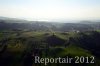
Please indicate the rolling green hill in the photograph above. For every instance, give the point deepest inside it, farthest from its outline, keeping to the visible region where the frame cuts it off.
(19, 48)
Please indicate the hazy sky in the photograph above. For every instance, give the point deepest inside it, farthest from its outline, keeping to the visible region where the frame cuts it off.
(51, 9)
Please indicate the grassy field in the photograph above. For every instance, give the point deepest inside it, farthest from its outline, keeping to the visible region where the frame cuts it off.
(17, 48)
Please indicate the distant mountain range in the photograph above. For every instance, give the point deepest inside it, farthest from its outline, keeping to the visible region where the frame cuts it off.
(19, 20)
(13, 20)
(20, 24)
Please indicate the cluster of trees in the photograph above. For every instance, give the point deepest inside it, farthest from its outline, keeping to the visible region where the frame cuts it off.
(89, 41)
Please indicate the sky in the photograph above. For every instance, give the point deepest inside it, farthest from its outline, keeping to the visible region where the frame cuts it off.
(51, 10)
